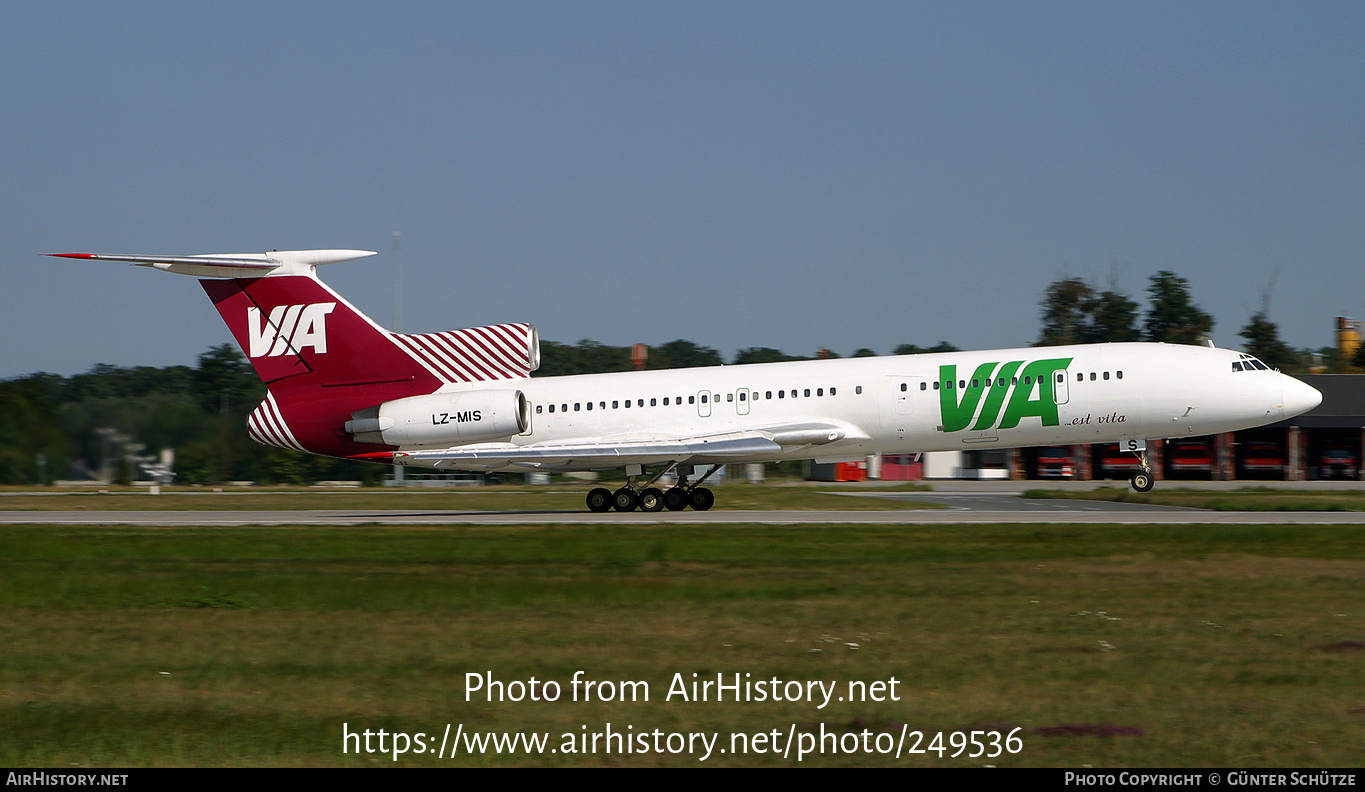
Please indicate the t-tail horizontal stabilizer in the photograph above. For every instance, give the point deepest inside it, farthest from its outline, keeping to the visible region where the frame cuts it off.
(234, 265)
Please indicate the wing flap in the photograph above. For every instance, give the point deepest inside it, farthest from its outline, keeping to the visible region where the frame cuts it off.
(596, 455)
(601, 454)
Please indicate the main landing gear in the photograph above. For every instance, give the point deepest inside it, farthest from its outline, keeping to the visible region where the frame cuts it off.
(647, 497)
(1143, 480)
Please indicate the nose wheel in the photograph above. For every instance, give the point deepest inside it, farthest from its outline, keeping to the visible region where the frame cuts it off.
(1143, 480)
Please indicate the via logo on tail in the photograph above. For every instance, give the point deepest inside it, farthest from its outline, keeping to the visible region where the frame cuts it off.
(288, 327)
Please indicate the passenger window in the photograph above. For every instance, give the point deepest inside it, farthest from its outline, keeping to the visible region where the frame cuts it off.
(653, 402)
(924, 386)
(704, 398)
(1080, 378)
(577, 406)
(627, 404)
(589, 406)
(1060, 377)
(831, 391)
(858, 390)
(1092, 376)
(615, 405)
(976, 383)
(935, 384)
(806, 393)
(552, 408)
(729, 397)
(538, 409)
(563, 408)
(1120, 375)
(819, 391)
(768, 395)
(1106, 375)
(781, 394)
(903, 387)
(961, 384)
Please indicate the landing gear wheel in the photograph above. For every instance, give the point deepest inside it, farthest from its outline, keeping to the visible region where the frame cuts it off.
(625, 500)
(652, 500)
(701, 499)
(599, 500)
(675, 499)
(1142, 482)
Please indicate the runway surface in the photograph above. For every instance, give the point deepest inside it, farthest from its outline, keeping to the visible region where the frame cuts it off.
(963, 507)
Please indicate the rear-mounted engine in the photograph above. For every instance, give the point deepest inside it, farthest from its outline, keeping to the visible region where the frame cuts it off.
(442, 419)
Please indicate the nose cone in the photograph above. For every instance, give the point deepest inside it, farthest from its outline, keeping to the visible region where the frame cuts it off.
(1298, 397)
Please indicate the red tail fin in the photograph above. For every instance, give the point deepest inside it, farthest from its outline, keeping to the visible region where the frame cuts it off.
(322, 359)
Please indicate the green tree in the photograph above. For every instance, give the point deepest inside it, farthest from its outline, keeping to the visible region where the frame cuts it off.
(911, 349)
(1073, 312)
(763, 355)
(587, 357)
(864, 352)
(1263, 340)
(225, 382)
(1172, 317)
(1066, 312)
(33, 447)
(1113, 317)
(682, 354)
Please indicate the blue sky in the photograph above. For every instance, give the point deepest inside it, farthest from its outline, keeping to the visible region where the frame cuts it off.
(789, 174)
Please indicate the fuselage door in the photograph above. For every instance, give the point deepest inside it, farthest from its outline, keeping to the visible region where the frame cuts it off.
(742, 403)
(902, 392)
(704, 404)
(1061, 388)
(898, 402)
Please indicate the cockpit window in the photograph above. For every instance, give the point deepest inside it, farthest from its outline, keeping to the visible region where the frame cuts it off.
(1248, 363)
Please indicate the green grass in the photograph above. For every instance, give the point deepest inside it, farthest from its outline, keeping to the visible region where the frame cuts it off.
(1251, 498)
(495, 498)
(1222, 645)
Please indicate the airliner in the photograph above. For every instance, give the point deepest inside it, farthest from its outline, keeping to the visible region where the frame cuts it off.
(340, 385)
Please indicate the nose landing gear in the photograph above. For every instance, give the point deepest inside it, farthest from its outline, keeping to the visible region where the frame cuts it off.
(1143, 480)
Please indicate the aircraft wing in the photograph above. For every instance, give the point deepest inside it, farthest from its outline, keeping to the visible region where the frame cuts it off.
(730, 447)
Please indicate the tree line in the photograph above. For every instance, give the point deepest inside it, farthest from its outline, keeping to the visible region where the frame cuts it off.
(89, 422)
(1076, 312)
(98, 423)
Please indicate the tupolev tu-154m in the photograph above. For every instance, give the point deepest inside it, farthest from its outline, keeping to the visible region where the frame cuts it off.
(342, 386)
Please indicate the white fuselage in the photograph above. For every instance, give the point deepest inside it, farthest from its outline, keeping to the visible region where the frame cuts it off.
(929, 402)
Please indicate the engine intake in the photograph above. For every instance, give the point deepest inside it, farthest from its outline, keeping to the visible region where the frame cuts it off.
(443, 419)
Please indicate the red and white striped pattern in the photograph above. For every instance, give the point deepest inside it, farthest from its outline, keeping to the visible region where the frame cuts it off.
(495, 352)
(266, 426)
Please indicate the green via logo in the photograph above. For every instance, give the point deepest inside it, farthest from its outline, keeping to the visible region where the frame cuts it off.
(1031, 393)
